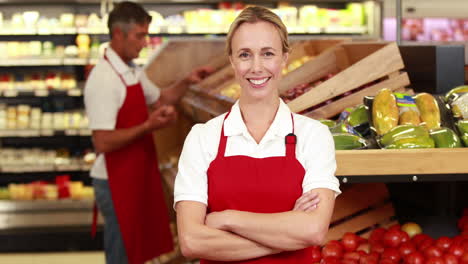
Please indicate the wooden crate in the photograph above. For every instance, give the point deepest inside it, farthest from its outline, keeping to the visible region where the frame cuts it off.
(359, 209)
(203, 101)
(376, 65)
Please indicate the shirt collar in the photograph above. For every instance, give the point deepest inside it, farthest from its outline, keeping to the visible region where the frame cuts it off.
(282, 124)
(117, 62)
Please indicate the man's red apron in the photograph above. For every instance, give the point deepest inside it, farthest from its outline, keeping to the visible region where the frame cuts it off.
(135, 184)
(264, 185)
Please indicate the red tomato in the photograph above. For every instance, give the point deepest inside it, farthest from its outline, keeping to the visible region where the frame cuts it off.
(392, 238)
(443, 243)
(387, 261)
(464, 258)
(362, 252)
(425, 244)
(332, 250)
(377, 235)
(435, 260)
(417, 239)
(377, 247)
(316, 253)
(330, 260)
(455, 250)
(406, 248)
(350, 241)
(433, 251)
(456, 241)
(391, 253)
(450, 259)
(349, 261)
(404, 237)
(352, 255)
(368, 259)
(415, 258)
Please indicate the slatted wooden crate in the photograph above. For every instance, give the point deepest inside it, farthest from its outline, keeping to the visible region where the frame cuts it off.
(373, 65)
(204, 101)
(359, 209)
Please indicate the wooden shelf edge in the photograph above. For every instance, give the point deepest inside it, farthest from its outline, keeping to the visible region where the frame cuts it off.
(401, 161)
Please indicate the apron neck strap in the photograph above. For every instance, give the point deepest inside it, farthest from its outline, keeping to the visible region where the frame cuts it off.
(113, 68)
(223, 139)
(290, 142)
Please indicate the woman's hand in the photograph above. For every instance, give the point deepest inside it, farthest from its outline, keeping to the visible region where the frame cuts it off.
(307, 202)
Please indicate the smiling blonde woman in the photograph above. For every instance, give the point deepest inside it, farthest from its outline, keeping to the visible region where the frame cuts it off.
(256, 184)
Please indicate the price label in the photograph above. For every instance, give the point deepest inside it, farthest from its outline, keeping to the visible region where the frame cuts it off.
(10, 93)
(74, 92)
(71, 132)
(41, 93)
(47, 132)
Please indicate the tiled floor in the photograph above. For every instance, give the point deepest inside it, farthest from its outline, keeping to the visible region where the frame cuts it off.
(53, 258)
(59, 258)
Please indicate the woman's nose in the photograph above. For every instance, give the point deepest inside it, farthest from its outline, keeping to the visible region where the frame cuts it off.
(257, 65)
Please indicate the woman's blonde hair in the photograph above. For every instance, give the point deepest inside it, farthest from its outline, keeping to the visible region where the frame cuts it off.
(254, 14)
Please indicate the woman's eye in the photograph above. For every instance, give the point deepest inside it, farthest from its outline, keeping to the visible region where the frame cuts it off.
(243, 55)
(269, 54)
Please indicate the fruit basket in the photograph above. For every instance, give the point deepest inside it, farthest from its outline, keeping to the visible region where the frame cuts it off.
(346, 73)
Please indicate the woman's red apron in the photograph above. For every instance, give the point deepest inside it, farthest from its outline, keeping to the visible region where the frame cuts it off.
(260, 185)
(135, 184)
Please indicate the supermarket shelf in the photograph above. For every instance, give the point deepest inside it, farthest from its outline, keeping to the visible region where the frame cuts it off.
(402, 165)
(183, 33)
(42, 214)
(42, 93)
(44, 133)
(36, 168)
(43, 205)
(9, 62)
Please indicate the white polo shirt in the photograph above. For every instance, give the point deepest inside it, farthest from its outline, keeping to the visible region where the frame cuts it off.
(105, 93)
(315, 150)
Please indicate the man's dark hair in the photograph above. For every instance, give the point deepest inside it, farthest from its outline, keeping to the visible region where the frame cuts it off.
(127, 13)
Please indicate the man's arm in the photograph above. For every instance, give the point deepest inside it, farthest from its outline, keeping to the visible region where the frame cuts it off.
(172, 94)
(110, 140)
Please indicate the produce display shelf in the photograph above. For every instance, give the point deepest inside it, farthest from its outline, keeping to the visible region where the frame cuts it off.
(40, 214)
(77, 92)
(9, 133)
(36, 168)
(402, 165)
(11, 62)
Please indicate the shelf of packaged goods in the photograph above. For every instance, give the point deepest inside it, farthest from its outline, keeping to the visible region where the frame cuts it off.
(38, 168)
(402, 165)
(19, 62)
(43, 213)
(75, 92)
(43, 133)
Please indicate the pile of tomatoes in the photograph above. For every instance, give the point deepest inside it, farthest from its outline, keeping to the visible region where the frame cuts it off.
(404, 244)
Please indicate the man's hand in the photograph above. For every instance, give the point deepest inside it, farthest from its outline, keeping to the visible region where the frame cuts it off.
(307, 202)
(161, 117)
(199, 74)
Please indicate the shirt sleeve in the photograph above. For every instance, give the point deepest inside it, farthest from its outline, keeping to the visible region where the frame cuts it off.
(150, 89)
(102, 100)
(191, 183)
(320, 163)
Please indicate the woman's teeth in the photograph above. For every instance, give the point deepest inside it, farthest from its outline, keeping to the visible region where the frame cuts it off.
(259, 81)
